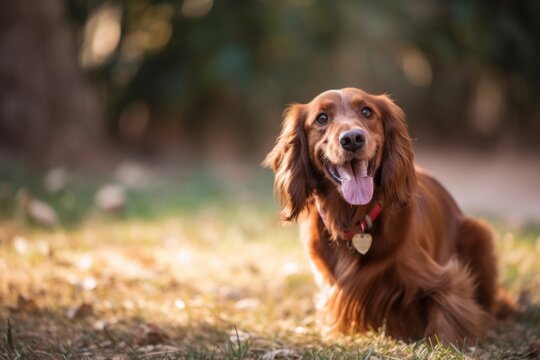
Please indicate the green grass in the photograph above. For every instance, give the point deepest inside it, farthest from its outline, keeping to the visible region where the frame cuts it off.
(203, 262)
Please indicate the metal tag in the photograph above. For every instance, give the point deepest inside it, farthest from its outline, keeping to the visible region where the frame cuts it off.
(362, 242)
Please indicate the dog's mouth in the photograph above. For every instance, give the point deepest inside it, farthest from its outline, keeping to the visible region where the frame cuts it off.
(355, 179)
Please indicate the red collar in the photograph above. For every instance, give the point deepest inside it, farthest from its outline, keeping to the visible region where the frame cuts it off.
(365, 224)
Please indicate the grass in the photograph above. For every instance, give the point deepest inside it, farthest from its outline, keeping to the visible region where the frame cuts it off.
(196, 268)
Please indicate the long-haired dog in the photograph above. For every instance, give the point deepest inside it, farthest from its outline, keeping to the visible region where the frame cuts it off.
(387, 243)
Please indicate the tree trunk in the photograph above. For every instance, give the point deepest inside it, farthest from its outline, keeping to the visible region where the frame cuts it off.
(47, 113)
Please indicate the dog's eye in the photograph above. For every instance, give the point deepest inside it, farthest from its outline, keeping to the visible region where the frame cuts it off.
(367, 112)
(322, 118)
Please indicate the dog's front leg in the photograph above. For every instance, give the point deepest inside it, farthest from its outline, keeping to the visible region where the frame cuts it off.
(322, 257)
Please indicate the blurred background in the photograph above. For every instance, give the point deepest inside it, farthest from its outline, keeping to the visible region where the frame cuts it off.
(183, 84)
(133, 207)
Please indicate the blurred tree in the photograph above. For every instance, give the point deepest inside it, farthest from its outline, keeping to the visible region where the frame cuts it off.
(46, 112)
(485, 63)
(462, 69)
(214, 76)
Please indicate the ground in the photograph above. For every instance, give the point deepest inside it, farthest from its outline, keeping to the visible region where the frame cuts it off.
(192, 267)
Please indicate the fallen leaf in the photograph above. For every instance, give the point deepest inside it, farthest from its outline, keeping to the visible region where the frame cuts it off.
(276, 354)
(21, 245)
(247, 304)
(55, 180)
(230, 293)
(85, 261)
(80, 312)
(88, 283)
(27, 305)
(160, 351)
(149, 334)
(253, 269)
(133, 175)
(37, 210)
(41, 212)
(128, 304)
(100, 324)
(45, 248)
(236, 336)
(111, 198)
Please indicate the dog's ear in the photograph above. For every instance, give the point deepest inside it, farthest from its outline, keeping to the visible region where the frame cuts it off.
(398, 177)
(290, 161)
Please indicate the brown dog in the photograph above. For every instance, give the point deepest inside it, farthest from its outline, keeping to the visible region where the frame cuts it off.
(387, 243)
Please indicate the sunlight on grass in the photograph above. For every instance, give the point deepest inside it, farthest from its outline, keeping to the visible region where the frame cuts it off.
(203, 279)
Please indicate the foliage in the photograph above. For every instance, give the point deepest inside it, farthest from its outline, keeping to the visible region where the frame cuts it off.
(466, 68)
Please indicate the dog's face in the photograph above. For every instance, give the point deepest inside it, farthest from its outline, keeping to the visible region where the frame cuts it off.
(345, 136)
(342, 138)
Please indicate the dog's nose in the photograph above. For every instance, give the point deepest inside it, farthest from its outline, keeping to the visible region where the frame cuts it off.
(352, 140)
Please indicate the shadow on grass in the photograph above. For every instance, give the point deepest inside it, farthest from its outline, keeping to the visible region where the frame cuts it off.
(51, 334)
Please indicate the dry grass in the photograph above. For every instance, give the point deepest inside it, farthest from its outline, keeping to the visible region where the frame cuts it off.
(206, 280)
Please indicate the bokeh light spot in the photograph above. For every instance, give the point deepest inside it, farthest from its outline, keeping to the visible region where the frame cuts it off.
(416, 67)
(196, 8)
(101, 35)
(487, 105)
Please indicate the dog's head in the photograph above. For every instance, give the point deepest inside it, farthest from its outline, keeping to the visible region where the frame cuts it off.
(346, 139)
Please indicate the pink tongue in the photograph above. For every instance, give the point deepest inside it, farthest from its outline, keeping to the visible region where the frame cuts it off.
(356, 186)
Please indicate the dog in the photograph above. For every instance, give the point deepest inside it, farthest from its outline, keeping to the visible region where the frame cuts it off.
(388, 245)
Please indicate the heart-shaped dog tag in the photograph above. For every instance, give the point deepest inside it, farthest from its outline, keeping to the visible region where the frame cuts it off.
(362, 242)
